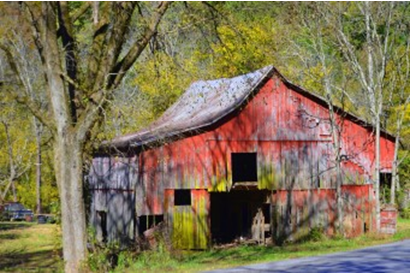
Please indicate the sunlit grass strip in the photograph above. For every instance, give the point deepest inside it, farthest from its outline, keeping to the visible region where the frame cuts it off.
(242, 255)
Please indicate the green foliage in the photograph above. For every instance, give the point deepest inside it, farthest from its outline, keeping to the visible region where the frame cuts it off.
(242, 49)
(405, 213)
(404, 172)
(102, 257)
(159, 258)
(222, 44)
(170, 80)
(125, 259)
(230, 256)
(26, 188)
(17, 149)
(103, 260)
(110, 257)
(316, 234)
(21, 123)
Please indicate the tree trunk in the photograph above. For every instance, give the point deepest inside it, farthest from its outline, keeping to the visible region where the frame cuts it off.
(73, 117)
(38, 166)
(68, 148)
(68, 164)
(377, 173)
(339, 200)
(336, 147)
(12, 169)
(335, 130)
(13, 189)
(394, 170)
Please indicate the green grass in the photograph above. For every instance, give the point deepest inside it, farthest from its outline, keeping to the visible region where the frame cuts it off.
(242, 255)
(28, 247)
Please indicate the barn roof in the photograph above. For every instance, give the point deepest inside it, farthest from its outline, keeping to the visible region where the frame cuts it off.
(205, 103)
(202, 104)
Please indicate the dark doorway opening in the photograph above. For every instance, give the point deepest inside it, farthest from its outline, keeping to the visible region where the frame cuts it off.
(244, 167)
(234, 214)
(102, 222)
(385, 187)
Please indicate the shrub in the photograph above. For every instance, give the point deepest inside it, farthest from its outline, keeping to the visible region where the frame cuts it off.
(160, 255)
(316, 234)
(103, 258)
(405, 213)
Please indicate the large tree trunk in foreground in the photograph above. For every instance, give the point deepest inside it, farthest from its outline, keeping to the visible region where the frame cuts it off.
(76, 98)
(68, 164)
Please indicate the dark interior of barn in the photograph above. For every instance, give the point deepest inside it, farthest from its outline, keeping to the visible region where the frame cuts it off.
(240, 215)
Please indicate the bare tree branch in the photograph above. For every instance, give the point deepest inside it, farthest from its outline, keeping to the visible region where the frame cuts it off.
(25, 99)
(75, 16)
(138, 47)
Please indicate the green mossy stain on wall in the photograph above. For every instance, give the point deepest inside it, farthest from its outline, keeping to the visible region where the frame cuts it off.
(190, 225)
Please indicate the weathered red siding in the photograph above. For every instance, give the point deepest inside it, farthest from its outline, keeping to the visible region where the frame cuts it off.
(296, 212)
(389, 220)
(291, 135)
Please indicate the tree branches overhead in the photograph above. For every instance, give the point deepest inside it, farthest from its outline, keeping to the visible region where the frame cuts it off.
(102, 31)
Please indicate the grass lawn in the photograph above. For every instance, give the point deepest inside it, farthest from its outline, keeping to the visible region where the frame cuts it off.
(29, 247)
(242, 255)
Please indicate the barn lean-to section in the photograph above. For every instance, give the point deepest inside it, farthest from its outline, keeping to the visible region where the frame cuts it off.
(112, 183)
(247, 157)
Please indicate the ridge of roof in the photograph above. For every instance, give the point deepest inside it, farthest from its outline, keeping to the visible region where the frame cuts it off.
(202, 104)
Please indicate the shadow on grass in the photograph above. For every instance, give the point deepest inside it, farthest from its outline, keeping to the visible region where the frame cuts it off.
(9, 236)
(39, 261)
(240, 254)
(22, 260)
(14, 225)
(251, 253)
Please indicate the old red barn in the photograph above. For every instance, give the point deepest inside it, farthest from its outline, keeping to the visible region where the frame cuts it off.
(248, 157)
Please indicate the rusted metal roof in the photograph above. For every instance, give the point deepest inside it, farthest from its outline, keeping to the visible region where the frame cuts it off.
(203, 104)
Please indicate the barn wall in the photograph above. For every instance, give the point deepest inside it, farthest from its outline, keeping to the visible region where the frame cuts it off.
(111, 189)
(358, 209)
(295, 213)
(292, 138)
(291, 135)
(150, 183)
(189, 224)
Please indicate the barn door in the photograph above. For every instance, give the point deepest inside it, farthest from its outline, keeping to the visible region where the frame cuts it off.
(188, 218)
(258, 227)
